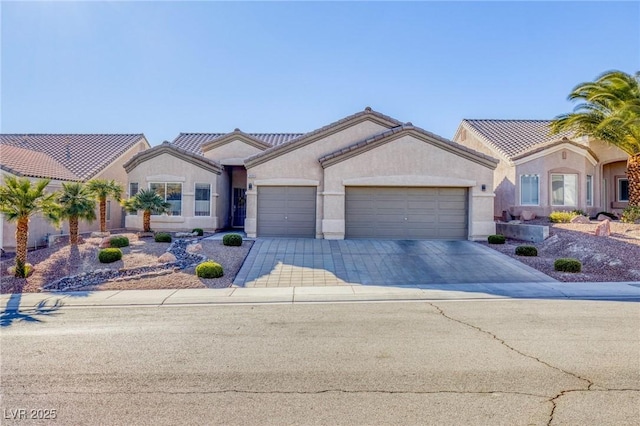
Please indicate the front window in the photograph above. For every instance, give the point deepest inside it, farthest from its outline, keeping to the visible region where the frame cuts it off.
(589, 190)
(623, 190)
(171, 193)
(529, 190)
(203, 199)
(564, 190)
(133, 189)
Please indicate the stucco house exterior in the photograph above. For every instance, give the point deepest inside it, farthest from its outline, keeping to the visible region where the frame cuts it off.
(541, 173)
(65, 158)
(364, 176)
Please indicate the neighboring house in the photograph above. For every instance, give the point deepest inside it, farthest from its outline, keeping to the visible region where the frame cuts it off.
(542, 173)
(365, 176)
(66, 157)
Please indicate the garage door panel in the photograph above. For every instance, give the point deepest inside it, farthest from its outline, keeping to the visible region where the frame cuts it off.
(287, 211)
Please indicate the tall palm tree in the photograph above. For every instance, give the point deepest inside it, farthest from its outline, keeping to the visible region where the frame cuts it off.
(76, 202)
(609, 110)
(149, 202)
(101, 189)
(19, 200)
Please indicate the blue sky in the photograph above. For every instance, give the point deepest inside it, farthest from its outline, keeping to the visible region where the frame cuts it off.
(162, 68)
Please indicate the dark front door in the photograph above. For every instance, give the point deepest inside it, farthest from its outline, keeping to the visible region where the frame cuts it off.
(239, 207)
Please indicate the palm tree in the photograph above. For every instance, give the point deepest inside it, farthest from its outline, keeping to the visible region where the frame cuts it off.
(149, 202)
(19, 200)
(77, 202)
(609, 111)
(101, 189)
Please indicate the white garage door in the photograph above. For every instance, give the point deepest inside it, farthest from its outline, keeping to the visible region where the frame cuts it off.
(287, 211)
(406, 213)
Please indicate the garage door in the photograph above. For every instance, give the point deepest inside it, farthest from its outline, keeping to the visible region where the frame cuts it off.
(406, 213)
(287, 211)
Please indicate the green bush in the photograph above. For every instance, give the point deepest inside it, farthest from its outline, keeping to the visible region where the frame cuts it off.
(109, 255)
(631, 214)
(199, 231)
(209, 269)
(562, 216)
(579, 212)
(162, 237)
(119, 241)
(526, 251)
(232, 240)
(496, 239)
(567, 265)
(20, 270)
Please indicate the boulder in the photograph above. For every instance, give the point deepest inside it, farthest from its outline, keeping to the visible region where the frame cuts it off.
(602, 217)
(603, 229)
(100, 234)
(105, 243)
(527, 215)
(167, 258)
(186, 234)
(194, 248)
(580, 219)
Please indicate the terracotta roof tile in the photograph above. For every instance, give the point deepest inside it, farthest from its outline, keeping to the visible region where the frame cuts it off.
(25, 162)
(193, 141)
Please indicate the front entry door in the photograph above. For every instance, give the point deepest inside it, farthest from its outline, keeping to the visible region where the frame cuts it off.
(239, 207)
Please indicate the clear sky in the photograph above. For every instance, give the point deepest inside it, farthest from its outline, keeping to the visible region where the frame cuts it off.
(162, 68)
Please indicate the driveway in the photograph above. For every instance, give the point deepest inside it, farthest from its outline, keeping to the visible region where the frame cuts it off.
(309, 262)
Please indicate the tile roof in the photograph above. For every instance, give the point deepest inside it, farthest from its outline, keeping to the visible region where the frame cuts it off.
(168, 148)
(82, 155)
(513, 137)
(25, 162)
(193, 141)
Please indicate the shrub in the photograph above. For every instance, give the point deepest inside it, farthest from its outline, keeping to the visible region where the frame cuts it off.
(209, 269)
(109, 255)
(526, 251)
(162, 237)
(609, 215)
(631, 214)
(232, 240)
(119, 241)
(579, 212)
(198, 231)
(567, 265)
(20, 270)
(562, 216)
(496, 239)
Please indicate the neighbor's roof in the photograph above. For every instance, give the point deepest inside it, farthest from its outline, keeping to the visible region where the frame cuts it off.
(513, 137)
(67, 156)
(193, 141)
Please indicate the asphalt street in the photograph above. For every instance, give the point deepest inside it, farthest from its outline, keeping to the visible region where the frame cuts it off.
(486, 362)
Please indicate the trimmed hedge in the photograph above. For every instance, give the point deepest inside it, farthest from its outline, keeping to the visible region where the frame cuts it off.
(119, 241)
(209, 269)
(162, 237)
(526, 251)
(232, 240)
(109, 255)
(567, 264)
(199, 231)
(497, 239)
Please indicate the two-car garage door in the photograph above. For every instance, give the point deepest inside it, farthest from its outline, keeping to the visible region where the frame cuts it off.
(406, 213)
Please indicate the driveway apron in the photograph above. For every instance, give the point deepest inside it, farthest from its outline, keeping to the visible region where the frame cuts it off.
(309, 262)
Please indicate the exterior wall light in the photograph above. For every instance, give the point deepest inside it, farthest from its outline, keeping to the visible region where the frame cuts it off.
(483, 187)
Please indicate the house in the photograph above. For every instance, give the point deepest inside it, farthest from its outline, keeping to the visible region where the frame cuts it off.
(541, 173)
(66, 158)
(364, 176)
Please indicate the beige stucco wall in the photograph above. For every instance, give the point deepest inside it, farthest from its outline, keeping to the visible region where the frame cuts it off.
(301, 167)
(610, 174)
(233, 152)
(168, 168)
(415, 163)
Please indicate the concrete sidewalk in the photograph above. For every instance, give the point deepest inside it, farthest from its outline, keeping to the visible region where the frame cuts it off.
(629, 291)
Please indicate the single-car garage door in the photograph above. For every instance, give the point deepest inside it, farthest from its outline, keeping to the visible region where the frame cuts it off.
(287, 211)
(406, 213)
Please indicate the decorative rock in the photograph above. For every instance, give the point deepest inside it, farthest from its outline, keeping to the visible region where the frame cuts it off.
(186, 234)
(100, 234)
(580, 219)
(145, 234)
(603, 229)
(527, 215)
(602, 217)
(167, 258)
(105, 243)
(194, 248)
(515, 222)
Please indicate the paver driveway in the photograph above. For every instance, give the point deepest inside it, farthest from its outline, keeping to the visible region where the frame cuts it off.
(308, 262)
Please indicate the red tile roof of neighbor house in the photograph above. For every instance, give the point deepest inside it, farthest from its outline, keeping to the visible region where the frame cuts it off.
(193, 141)
(63, 156)
(513, 137)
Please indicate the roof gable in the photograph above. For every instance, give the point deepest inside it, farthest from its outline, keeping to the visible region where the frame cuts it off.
(170, 149)
(237, 134)
(540, 148)
(193, 142)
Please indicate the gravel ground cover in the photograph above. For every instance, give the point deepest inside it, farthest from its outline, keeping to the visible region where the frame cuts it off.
(612, 258)
(62, 260)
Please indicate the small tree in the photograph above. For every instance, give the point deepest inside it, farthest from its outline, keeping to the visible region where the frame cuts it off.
(101, 189)
(150, 203)
(19, 200)
(76, 202)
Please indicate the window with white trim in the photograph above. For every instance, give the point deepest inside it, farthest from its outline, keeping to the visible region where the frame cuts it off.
(564, 190)
(133, 190)
(203, 199)
(622, 191)
(589, 190)
(171, 192)
(529, 190)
